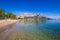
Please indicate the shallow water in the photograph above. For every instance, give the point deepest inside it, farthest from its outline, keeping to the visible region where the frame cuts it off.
(32, 30)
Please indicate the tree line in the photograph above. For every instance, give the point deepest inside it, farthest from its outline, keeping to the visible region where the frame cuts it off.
(8, 15)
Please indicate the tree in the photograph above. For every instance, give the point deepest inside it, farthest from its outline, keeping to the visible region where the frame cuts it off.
(8, 15)
(2, 13)
(11, 15)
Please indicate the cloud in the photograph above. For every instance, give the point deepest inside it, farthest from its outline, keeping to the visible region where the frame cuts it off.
(47, 14)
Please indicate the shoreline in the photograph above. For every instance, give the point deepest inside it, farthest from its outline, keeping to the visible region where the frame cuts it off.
(6, 22)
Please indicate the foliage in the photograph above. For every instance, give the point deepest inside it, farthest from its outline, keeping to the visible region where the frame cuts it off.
(8, 15)
(11, 15)
(2, 13)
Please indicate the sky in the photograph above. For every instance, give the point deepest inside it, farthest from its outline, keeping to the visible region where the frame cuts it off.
(48, 8)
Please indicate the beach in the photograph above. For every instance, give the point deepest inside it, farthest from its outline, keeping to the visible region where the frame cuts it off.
(6, 22)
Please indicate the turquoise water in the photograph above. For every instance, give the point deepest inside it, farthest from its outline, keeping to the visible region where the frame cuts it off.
(32, 30)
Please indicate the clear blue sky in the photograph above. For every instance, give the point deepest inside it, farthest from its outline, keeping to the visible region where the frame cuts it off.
(49, 8)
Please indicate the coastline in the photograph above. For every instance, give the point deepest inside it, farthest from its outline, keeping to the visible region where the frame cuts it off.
(6, 22)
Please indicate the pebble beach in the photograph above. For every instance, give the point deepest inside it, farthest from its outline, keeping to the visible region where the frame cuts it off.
(6, 22)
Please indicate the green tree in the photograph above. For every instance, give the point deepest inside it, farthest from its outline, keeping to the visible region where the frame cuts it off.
(8, 15)
(11, 15)
(2, 13)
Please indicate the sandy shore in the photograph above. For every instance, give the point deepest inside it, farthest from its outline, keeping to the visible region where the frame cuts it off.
(6, 22)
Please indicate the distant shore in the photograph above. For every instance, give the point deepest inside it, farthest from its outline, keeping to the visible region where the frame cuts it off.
(6, 22)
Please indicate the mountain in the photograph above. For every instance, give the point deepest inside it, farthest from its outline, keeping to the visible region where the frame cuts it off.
(34, 17)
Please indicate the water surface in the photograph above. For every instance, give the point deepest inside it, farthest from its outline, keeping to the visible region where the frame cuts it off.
(31, 30)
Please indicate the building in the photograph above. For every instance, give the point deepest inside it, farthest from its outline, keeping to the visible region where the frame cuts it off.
(29, 17)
